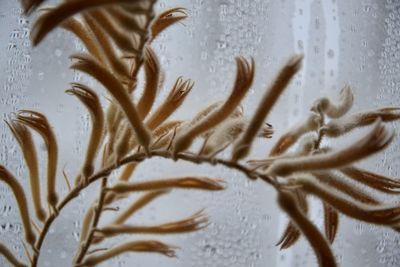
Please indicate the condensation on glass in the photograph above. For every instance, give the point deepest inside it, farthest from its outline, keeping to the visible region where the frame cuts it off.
(344, 42)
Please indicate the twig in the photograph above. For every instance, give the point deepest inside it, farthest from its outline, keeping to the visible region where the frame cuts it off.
(96, 217)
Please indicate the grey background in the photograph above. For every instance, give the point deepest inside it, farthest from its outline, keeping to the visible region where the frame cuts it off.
(345, 42)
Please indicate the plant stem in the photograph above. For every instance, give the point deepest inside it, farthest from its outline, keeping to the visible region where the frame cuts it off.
(139, 157)
(96, 218)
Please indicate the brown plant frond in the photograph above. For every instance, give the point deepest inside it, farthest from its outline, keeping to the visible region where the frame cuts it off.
(188, 182)
(20, 197)
(173, 101)
(292, 234)
(306, 146)
(341, 126)
(89, 98)
(118, 67)
(7, 253)
(243, 82)
(242, 147)
(39, 123)
(331, 222)
(26, 251)
(122, 146)
(166, 19)
(377, 139)
(127, 172)
(194, 223)
(90, 66)
(86, 223)
(137, 205)
(127, 19)
(152, 71)
(289, 237)
(25, 141)
(224, 134)
(86, 36)
(383, 214)
(129, 246)
(164, 134)
(113, 122)
(312, 123)
(373, 180)
(205, 112)
(267, 131)
(320, 245)
(30, 5)
(50, 20)
(339, 109)
(124, 40)
(66, 179)
(332, 180)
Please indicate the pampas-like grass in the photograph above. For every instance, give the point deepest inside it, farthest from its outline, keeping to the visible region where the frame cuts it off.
(117, 35)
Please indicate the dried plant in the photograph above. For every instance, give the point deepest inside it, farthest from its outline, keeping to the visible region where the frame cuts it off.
(117, 35)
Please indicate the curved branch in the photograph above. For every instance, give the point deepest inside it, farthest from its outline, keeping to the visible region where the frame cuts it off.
(139, 157)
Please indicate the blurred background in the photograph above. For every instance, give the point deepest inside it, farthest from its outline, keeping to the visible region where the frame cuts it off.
(344, 42)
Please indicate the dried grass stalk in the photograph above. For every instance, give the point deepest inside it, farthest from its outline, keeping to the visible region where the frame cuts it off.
(25, 141)
(39, 123)
(242, 146)
(20, 197)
